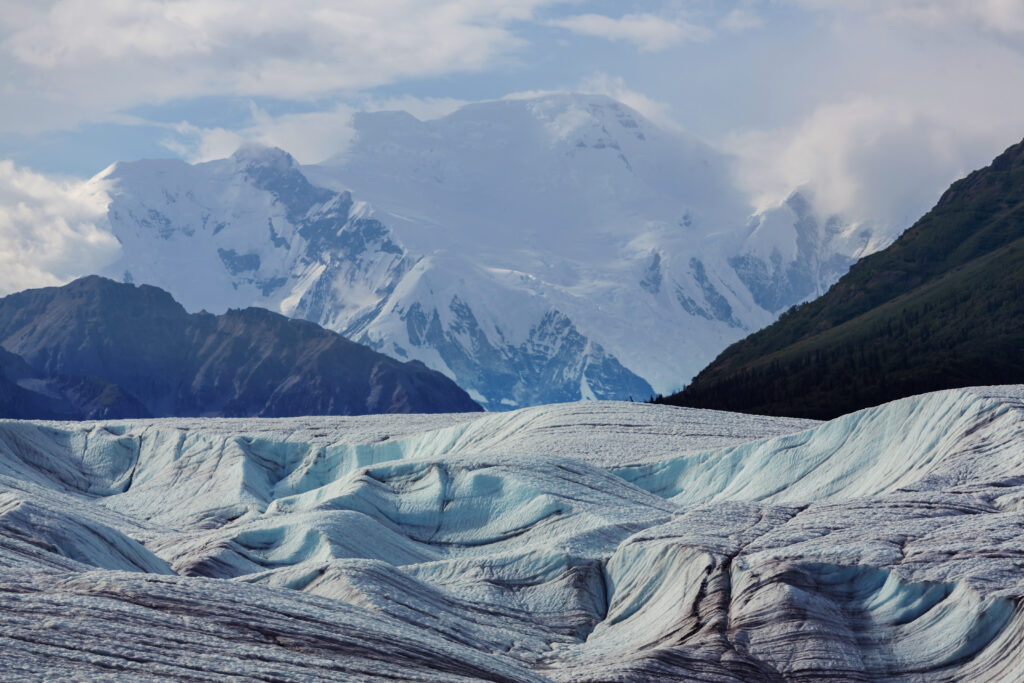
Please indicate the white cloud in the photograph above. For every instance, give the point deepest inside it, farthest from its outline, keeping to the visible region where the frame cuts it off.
(530, 94)
(423, 108)
(887, 104)
(740, 19)
(310, 137)
(50, 230)
(999, 16)
(883, 161)
(648, 32)
(67, 58)
(615, 87)
(196, 144)
(612, 86)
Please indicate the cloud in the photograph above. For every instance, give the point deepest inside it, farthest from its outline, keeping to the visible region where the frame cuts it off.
(900, 98)
(740, 19)
(313, 137)
(423, 108)
(615, 87)
(195, 144)
(310, 137)
(50, 230)
(874, 160)
(999, 16)
(66, 58)
(600, 83)
(648, 32)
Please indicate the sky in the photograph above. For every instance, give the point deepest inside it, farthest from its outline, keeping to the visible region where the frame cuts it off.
(874, 106)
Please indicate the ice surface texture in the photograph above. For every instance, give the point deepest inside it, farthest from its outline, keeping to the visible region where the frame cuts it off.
(594, 541)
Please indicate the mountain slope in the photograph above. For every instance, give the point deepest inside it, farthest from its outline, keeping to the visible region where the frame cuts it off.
(22, 394)
(26, 394)
(97, 339)
(942, 307)
(537, 250)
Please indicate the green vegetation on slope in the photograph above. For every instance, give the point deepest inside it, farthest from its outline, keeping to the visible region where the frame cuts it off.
(942, 307)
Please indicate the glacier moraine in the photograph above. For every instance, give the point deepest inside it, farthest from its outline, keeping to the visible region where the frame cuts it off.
(586, 541)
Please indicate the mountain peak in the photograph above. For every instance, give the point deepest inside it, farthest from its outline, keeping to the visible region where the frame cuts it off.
(248, 362)
(255, 154)
(560, 99)
(102, 291)
(1011, 159)
(560, 113)
(985, 180)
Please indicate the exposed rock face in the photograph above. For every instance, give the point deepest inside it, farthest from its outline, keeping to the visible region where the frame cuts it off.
(115, 350)
(649, 542)
(25, 395)
(822, 250)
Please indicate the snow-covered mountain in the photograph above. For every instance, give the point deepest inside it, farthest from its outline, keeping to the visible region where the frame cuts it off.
(534, 250)
(647, 543)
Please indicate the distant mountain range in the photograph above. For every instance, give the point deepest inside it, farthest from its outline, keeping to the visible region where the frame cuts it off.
(537, 250)
(95, 348)
(942, 307)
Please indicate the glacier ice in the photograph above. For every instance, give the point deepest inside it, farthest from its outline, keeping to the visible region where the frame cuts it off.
(585, 541)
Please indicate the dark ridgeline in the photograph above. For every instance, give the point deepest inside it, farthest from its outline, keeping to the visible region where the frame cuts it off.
(96, 348)
(942, 307)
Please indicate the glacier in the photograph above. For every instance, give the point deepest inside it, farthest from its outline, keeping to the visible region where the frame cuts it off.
(579, 541)
(536, 250)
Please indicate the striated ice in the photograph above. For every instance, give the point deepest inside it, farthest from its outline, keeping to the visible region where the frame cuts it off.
(588, 541)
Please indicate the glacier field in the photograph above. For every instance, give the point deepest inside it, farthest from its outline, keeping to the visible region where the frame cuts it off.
(586, 541)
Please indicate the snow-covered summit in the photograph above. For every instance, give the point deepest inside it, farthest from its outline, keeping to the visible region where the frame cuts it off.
(575, 176)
